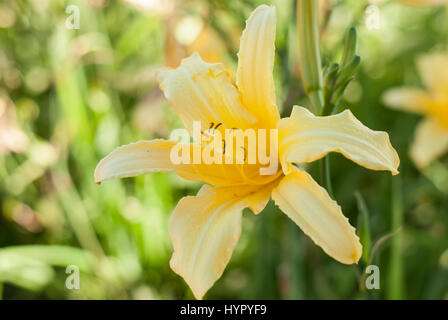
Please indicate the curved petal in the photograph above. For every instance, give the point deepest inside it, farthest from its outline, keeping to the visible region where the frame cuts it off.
(433, 69)
(134, 159)
(407, 99)
(255, 66)
(155, 156)
(320, 217)
(304, 137)
(430, 142)
(205, 228)
(144, 157)
(200, 91)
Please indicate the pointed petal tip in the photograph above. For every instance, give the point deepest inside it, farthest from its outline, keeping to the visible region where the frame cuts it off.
(355, 255)
(195, 56)
(96, 174)
(269, 9)
(349, 259)
(163, 71)
(308, 204)
(96, 177)
(204, 230)
(368, 148)
(264, 7)
(256, 55)
(197, 293)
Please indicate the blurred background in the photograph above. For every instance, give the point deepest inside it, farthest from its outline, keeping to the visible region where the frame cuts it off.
(68, 96)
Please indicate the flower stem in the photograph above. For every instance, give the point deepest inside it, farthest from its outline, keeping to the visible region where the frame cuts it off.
(328, 175)
(395, 287)
(309, 54)
(325, 174)
(297, 263)
(311, 68)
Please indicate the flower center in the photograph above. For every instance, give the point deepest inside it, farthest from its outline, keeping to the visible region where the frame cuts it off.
(438, 108)
(253, 146)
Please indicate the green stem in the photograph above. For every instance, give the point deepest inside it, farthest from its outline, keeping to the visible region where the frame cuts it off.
(309, 54)
(446, 27)
(311, 68)
(325, 174)
(317, 99)
(328, 175)
(364, 226)
(328, 108)
(395, 287)
(297, 263)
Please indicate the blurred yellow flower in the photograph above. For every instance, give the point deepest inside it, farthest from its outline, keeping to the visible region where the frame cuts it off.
(431, 136)
(205, 228)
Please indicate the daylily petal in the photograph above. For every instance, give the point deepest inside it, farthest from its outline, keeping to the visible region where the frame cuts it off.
(408, 99)
(155, 156)
(145, 157)
(433, 69)
(255, 66)
(200, 91)
(430, 142)
(205, 228)
(303, 137)
(134, 159)
(320, 217)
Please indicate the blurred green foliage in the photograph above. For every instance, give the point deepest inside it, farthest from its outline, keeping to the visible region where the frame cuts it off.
(69, 96)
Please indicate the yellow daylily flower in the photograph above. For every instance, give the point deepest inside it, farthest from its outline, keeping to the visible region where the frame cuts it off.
(431, 136)
(205, 228)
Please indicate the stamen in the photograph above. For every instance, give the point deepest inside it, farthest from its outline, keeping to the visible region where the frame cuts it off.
(214, 127)
(244, 159)
(205, 134)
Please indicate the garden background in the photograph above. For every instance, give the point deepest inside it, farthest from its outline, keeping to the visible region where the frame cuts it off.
(69, 96)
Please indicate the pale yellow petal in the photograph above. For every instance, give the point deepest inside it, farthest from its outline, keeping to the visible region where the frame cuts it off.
(433, 69)
(155, 156)
(200, 91)
(134, 159)
(407, 99)
(430, 142)
(255, 66)
(303, 137)
(319, 217)
(205, 228)
(144, 157)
